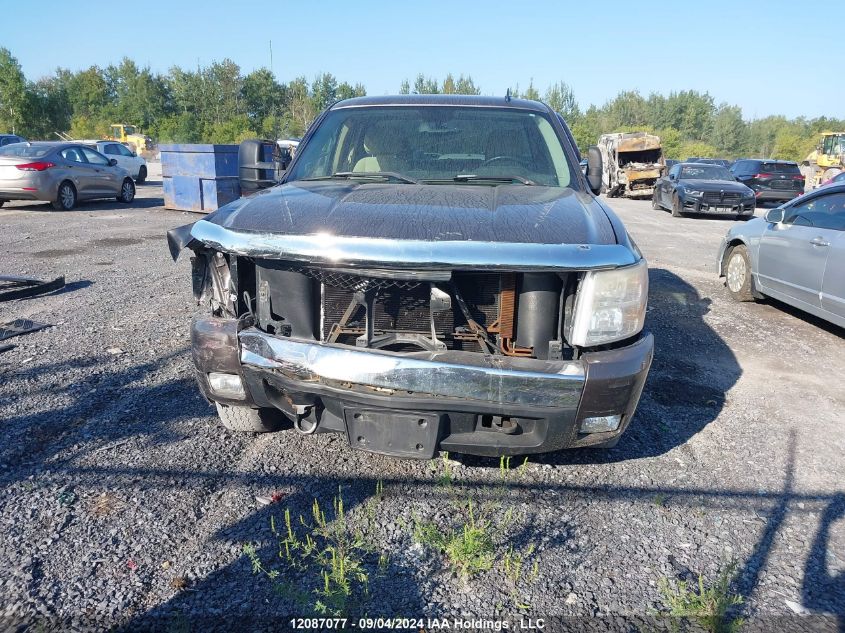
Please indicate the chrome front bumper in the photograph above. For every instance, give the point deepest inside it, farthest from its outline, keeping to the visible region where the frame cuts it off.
(449, 375)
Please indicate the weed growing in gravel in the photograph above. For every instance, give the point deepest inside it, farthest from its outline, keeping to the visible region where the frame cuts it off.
(445, 478)
(327, 555)
(708, 606)
(469, 548)
(513, 564)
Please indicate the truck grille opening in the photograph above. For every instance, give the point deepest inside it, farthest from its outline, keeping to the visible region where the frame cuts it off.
(405, 307)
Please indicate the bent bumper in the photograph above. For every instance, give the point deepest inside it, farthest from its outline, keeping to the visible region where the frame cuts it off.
(466, 402)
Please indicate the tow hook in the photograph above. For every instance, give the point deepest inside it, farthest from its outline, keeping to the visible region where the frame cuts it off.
(300, 423)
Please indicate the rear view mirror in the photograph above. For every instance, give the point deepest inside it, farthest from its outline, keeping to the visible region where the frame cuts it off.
(260, 165)
(594, 169)
(775, 216)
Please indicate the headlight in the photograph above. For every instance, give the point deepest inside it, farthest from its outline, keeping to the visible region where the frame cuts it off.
(694, 193)
(610, 305)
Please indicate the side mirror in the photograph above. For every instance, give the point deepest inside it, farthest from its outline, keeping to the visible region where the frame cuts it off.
(134, 154)
(112, 162)
(594, 169)
(259, 165)
(775, 216)
(671, 176)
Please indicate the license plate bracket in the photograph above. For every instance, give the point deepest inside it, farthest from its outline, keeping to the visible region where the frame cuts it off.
(398, 433)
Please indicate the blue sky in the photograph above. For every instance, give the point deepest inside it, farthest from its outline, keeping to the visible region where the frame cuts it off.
(752, 54)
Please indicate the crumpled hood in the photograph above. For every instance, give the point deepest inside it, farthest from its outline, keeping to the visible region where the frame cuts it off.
(715, 185)
(506, 213)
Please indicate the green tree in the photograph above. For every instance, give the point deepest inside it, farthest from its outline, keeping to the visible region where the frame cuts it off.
(89, 94)
(324, 91)
(300, 108)
(466, 86)
(698, 149)
(12, 92)
(263, 97)
(531, 92)
(425, 86)
(347, 91)
(561, 99)
(729, 130)
(47, 108)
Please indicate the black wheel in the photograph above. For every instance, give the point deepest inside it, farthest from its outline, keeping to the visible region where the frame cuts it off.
(127, 191)
(738, 274)
(654, 200)
(248, 420)
(142, 175)
(677, 207)
(65, 197)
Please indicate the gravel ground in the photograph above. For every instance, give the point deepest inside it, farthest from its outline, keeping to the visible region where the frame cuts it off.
(122, 500)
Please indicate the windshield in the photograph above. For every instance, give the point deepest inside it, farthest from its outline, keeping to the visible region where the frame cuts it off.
(437, 144)
(24, 150)
(705, 172)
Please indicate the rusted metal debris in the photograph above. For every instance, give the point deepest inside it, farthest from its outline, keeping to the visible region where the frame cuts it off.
(20, 287)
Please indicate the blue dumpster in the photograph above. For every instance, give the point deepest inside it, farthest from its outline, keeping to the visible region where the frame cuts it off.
(199, 177)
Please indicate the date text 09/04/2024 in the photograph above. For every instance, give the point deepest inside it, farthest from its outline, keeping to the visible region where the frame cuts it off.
(416, 624)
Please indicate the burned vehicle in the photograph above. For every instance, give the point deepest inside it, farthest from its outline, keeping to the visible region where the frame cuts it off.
(633, 161)
(430, 273)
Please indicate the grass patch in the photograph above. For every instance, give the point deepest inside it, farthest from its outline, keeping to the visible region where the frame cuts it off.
(321, 560)
(468, 548)
(709, 605)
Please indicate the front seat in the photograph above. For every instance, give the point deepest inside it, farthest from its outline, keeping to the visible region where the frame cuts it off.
(389, 151)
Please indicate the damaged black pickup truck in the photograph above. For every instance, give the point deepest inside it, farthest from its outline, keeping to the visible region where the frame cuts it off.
(430, 273)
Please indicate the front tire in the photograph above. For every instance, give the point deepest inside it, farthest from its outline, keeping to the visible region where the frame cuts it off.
(127, 191)
(655, 204)
(738, 274)
(65, 197)
(677, 207)
(142, 175)
(248, 420)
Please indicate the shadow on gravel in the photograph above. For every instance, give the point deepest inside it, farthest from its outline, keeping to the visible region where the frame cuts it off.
(97, 409)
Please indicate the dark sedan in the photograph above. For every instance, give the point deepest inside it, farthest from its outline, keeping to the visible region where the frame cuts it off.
(703, 188)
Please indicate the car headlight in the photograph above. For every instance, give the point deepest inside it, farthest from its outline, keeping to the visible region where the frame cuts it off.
(610, 305)
(694, 193)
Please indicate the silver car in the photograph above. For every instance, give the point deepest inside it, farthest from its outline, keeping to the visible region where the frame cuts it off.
(60, 173)
(796, 254)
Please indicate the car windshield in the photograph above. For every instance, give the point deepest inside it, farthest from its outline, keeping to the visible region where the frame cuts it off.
(436, 144)
(705, 172)
(24, 150)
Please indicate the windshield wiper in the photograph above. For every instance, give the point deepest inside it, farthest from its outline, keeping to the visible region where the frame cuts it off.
(390, 175)
(476, 177)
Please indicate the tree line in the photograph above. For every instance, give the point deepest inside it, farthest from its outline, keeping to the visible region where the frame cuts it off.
(217, 103)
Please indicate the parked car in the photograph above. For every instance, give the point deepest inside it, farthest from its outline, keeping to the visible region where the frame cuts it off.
(702, 188)
(777, 180)
(126, 158)
(796, 254)
(432, 272)
(60, 173)
(670, 162)
(8, 139)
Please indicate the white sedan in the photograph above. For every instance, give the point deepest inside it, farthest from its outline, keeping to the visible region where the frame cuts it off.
(126, 158)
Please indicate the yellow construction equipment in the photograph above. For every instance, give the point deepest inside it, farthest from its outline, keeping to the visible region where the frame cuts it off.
(826, 161)
(130, 136)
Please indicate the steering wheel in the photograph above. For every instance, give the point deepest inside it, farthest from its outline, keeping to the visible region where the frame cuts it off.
(503, 159)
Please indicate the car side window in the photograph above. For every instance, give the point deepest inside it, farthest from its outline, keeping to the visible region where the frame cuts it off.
(676, 169)
(95, 158)
(73, 154)
(123, 151)
(110, 149)
(822, 212)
